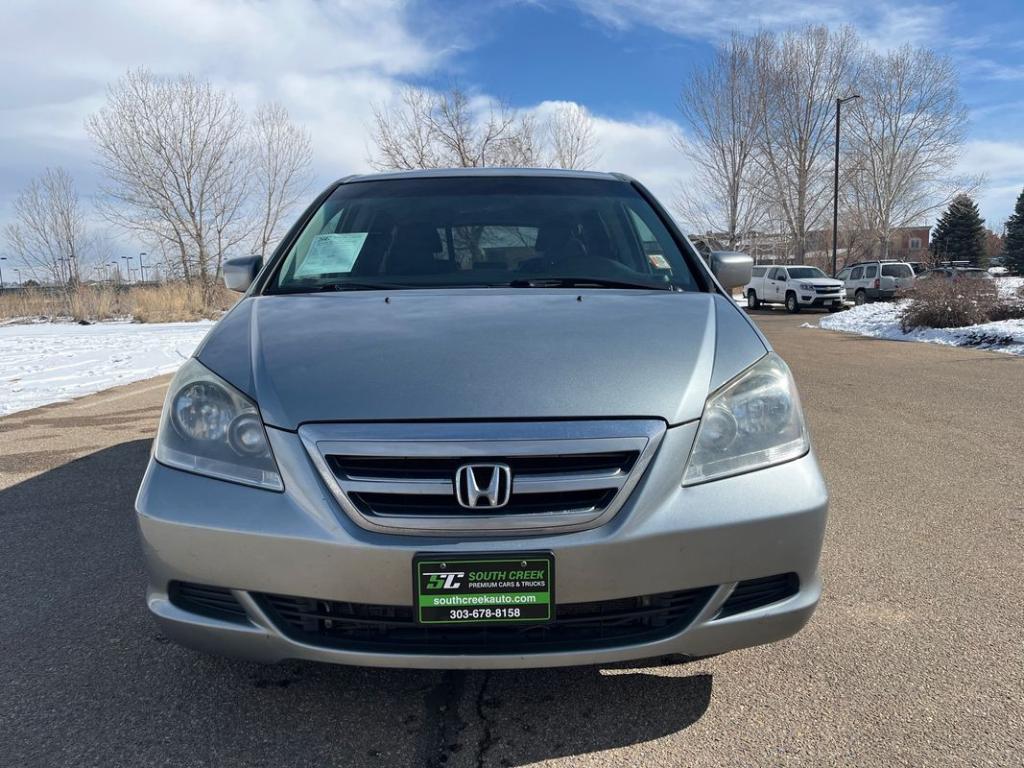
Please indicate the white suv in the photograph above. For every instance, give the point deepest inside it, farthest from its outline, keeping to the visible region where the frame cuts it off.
(796, 287)
(873, 280)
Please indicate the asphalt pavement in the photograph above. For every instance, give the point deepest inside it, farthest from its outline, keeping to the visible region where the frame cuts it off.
(915, 656)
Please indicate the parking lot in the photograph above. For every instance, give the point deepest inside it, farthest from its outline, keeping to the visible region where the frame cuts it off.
(915, 656)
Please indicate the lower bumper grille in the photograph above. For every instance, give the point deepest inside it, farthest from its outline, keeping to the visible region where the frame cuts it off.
(757, 593)
(213, 602)
(577, 626)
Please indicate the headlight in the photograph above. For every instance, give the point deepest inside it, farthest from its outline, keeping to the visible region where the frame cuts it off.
(806, 287)
(210, 428)
(753, 421)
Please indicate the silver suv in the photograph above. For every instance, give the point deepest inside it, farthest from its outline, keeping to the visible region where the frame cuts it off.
(875, 280)
(483, 419)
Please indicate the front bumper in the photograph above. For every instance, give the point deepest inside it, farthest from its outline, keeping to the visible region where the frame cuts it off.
(300, 543)
(821, 301)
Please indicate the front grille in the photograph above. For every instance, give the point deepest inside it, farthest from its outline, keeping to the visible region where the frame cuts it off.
(520, 504)
(827, 289)
(402, 477)
(404, 467)
(213, 602)
(757, 593)
(392, 629)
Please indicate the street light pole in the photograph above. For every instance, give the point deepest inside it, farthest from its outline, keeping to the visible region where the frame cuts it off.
(128, 266)
(142, 267)
(835, 183)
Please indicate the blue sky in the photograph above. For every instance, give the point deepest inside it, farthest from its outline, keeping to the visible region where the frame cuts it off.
(327, 60)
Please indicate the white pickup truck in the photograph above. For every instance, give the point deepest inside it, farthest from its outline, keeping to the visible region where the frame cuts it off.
(796, 287)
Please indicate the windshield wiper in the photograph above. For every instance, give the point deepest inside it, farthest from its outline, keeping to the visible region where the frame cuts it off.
(339, 286)
(586, 282)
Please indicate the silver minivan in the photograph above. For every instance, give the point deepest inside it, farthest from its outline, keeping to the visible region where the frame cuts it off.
(483, 418)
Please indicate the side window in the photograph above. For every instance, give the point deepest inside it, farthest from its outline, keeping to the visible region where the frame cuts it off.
(871, 271)
(775, 274)
(897, 270)
(758, 271)
(857, 274)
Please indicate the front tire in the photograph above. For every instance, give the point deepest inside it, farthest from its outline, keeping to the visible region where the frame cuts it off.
(752, 301)
(792, 305)
(860, 297)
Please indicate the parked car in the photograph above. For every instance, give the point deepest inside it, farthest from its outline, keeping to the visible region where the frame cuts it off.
(796, 287)
(874, 280)
(482, 418)
(956, 273)
(917, 266)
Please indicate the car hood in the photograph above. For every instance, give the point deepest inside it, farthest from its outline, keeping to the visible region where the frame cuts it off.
(480, 354)
(822, 281)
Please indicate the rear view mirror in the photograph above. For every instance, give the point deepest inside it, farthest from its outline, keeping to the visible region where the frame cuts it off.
(240, 271)
(731, 268)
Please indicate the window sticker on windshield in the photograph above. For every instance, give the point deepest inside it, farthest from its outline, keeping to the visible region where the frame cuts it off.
(331, 253)
(658, 261)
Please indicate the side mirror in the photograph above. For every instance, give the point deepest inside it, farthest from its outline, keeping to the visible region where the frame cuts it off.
(240, 271)
(732, 269)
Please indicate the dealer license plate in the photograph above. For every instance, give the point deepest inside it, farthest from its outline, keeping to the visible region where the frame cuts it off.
(484, 589)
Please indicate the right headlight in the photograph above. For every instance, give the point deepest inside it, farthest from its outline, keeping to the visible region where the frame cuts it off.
(751, 422)
(210, 428)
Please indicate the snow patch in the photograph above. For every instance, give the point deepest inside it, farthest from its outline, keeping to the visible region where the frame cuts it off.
(51, 362)
(881, 321)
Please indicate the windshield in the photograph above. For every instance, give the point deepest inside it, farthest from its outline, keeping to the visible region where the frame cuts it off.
(481, 232)
(805, 273)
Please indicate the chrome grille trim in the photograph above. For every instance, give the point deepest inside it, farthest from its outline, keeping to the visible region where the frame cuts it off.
(467, 441)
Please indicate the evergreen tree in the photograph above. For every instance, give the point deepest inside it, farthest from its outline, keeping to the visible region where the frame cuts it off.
(960, 233)
(1013, 240)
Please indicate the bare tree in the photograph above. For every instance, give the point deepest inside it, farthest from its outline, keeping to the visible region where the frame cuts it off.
(281, 161)
(174, 155)
(439, 130)
(720, 104)
(905, 135)
(570, 133)
(800, 77)
(49, 233)
(427, 129)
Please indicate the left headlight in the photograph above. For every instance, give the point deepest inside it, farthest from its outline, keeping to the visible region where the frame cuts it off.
(210, 428)
(751, 422)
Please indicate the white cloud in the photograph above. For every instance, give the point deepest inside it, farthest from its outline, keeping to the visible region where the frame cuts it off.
(884, 23)
(1002, 164)
(643, 148)
(324, 59)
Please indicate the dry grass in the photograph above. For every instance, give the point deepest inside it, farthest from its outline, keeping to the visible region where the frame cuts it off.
(166, 303)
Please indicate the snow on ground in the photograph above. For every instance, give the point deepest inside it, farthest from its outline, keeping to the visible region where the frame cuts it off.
(881, 321)
(49, 362)
(1009, 286)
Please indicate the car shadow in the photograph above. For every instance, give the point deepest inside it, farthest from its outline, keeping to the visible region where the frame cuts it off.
(781, 310)
(91, 680)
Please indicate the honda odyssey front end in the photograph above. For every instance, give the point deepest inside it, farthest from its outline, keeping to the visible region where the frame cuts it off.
(483, 419)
